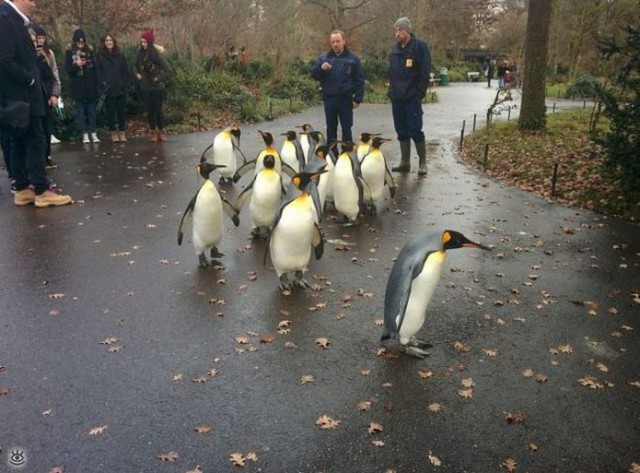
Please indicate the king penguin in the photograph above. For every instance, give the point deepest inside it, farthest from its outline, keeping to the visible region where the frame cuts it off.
(365, 144)
(307, 142)
(264, 195)
(291, 151)
(224, 152)
(294, 232)
(412, 282)
(376, 175)
(207, 207)
(258, 163)
(348, 184)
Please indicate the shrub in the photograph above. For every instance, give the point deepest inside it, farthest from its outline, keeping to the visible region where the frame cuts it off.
(584, 87)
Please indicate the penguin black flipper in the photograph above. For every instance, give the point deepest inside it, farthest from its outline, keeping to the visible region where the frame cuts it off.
(388, 180)
(185, 216)
(317, 241)
(312, 190)
(230, 210)
(202, 157)
(302, 160)
(288, 170)
(245, 168)
(237, 148)
(244, 196)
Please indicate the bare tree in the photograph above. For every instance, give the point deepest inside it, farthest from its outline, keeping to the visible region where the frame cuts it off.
(533, 112)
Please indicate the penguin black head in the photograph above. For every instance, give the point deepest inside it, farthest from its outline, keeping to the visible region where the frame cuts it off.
(204, 169)
(301, 179)
(235, 131)
(305, 127)
(452, 240)
(347, 146)
(291, 135)
(377, 141)
(267, 137)
(316, 135)
(365, 137)
(323, 151)
(269, 161)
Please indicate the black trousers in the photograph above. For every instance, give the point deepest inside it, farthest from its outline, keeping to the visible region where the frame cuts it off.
(28, 158)
(116, 111)
(153, 101)
(47, 128)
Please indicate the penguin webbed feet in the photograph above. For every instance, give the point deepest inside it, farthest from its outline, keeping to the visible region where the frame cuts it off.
(203, 262)
(284, 283)
(215, 253)
(419, 343)
(258, 233)
(414, 351)
(299, 281)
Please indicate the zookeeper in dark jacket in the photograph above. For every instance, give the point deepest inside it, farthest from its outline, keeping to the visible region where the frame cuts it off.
(20, 80)
(342, 80)
(409, 68)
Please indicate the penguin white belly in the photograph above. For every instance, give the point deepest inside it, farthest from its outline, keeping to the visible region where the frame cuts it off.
(304, 144)
(289, 156)
(329, 178)
(345, 190)
(373, 171)
(223, 154)
(422, 289)
(323, 184)
(265, 198)
(290, 244)
(207, 218)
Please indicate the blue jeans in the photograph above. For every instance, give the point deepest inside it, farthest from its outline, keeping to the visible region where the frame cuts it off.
(338, 108)
(407, 119)
(28, 157)
(86, 115)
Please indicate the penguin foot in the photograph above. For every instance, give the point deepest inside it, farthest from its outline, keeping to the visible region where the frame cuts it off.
(221, 181)
(419, 343)
(414, 351)
(203, 261)
(299, 281)
(215, 253)
(284, 283)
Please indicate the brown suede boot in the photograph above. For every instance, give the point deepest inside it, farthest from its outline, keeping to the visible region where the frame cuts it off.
(154, 136)
(123, 136)
(162, 136)
(405, 158)
(115, 138)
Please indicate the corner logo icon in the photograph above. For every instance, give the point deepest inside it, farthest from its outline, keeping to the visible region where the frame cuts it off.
(17, 458)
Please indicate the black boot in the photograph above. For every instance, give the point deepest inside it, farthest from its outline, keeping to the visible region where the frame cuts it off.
(405, 157)
(422, 158)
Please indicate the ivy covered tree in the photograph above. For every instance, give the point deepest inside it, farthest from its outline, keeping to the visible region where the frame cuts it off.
(621, 100)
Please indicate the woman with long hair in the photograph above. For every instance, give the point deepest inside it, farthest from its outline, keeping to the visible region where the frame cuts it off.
(151, 71)
(114, 73)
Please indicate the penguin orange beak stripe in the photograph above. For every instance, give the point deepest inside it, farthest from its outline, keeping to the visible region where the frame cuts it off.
(472, 244)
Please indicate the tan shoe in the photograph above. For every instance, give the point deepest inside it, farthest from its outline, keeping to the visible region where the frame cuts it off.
(24, 197)
(123, 136)
(162, 135)
(115, 137)
(154, 136)
(49, 198)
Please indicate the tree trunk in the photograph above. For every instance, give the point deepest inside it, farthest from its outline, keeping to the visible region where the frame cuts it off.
(533, 112)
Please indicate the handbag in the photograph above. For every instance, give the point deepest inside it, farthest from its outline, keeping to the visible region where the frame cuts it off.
(14, 114)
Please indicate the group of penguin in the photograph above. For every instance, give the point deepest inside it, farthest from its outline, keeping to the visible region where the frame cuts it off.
(287, 195)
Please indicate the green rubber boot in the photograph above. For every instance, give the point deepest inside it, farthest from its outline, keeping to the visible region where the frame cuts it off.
(422, 158)
(405, 158)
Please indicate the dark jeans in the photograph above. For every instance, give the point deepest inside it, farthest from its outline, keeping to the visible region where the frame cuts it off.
(28, 158)
(153, 101)
(407, 119)
(5, 144)
(86, 115)
(47, 127)
(116, 110)
(338, 108)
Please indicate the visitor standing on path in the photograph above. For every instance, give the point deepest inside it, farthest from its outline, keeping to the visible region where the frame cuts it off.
(114, 73)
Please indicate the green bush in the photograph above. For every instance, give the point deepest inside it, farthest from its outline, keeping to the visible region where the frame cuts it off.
(585, 86)
(375, 70)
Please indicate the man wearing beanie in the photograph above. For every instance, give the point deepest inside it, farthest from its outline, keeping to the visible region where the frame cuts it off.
(20, 80)
(409, 68)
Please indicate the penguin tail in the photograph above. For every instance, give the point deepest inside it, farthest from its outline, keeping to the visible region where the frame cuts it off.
(386, 335)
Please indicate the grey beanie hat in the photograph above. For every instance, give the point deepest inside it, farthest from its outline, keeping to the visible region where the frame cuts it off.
(403, 23)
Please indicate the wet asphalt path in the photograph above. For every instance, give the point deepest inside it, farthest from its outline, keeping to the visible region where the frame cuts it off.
(513, 330)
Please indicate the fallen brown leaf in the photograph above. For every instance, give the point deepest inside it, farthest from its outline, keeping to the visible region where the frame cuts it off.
(57, 469)
(540, 378)
(460, 346)
(435, 407)
(516, 417)
(435, 461)
(252, 456)
(237, 459)
(510, 464)
(465, 393)
(425, 374)
(196, 469)
(323, 342)
(203, 429)
(95, 431)
(374, 428)
(327, 423)
(4, 391)
(377, 443)
(528, 373)
(307, 378)
(266, 338)
(364, 405)
(468, 382)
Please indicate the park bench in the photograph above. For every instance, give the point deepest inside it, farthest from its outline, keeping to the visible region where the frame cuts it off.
(433, 80)
(473, 76)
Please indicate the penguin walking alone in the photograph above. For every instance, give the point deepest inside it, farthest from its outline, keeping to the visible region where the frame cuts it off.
(295, 232)
(376, 175)
(348, 184)
(264, 195)
(207, 208)
(225, 146)
(411, 284)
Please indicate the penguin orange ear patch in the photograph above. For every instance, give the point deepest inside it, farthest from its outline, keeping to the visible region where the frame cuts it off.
(446, 237)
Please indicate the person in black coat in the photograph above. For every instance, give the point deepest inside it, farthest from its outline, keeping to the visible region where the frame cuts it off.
(83, 76)
(114, 74)
(20, 80)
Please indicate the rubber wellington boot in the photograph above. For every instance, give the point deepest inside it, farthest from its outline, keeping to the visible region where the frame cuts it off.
(405, 157)
(422, 158)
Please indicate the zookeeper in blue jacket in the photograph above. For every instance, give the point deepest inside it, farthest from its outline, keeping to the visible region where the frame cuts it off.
(342, 80)
(409, 68)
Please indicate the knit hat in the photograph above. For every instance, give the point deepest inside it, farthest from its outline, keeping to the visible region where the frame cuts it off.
(148, 35)
(403, 23)
(39, 30)
(78, 35)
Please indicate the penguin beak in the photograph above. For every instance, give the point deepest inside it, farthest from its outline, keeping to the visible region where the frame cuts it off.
(473, 244)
